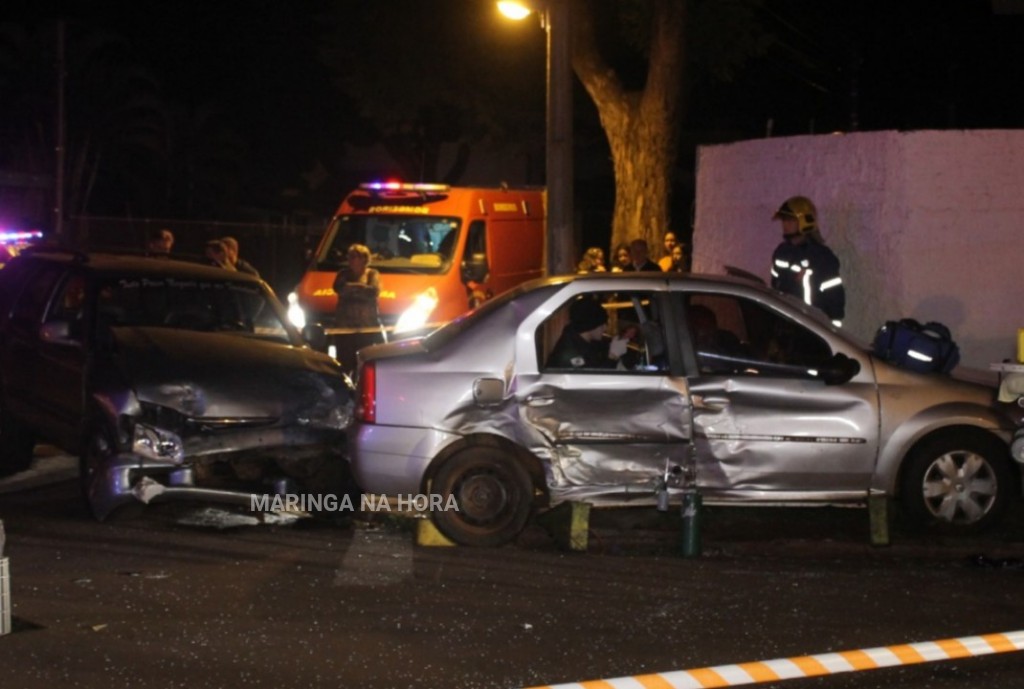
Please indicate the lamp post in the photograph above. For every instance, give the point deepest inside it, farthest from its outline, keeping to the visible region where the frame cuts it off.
(558, 178)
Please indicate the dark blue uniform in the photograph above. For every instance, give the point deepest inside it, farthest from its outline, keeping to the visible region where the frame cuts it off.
(810, 272)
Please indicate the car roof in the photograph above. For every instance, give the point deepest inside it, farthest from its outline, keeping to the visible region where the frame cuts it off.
(690, 280)
(133, 264)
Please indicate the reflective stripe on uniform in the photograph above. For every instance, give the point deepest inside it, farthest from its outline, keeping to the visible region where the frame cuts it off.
(808, 290)
(829, 284)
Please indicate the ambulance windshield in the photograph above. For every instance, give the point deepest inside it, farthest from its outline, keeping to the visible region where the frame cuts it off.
(397, 243)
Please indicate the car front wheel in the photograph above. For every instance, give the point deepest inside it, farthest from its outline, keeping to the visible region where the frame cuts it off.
(493, 495)
(97, 449)
(963, 482)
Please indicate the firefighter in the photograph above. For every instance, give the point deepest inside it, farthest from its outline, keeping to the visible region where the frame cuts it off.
(802, 265)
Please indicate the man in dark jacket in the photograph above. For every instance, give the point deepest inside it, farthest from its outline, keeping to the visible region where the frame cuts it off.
(582, 344)
(640, 259)
(239, 263)
(802, 265)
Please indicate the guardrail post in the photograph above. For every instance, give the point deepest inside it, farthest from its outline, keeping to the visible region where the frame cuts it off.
(878, 517)
(692, 506)
(5, 587)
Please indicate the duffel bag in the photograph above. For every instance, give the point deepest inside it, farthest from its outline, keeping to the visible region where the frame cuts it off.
(927, 348)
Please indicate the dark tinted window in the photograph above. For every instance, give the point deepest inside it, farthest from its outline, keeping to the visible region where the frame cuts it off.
(732, 335)
(27, 311)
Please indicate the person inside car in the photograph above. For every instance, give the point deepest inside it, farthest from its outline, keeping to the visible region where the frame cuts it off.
(583, 345)
(713, 344)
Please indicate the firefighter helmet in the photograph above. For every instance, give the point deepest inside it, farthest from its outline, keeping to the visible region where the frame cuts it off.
(801, 209)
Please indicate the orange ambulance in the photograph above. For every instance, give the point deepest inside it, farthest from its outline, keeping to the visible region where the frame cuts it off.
(439, 250)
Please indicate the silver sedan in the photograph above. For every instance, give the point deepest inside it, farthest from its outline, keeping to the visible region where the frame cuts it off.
(611, 389)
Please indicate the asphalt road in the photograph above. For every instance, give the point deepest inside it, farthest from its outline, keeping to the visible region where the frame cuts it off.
(170, 596)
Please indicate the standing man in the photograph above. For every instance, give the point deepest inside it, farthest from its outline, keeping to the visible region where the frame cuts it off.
(160, 242)
(239, 264)
(217, 254)
(802, 265)
(639, 258)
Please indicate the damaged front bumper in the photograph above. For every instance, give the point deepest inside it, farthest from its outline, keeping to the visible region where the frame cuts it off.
(229, 467)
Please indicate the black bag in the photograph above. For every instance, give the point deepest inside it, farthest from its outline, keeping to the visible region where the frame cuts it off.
(927, 348)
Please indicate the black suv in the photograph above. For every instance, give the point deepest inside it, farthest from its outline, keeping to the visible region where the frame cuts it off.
(167, 378)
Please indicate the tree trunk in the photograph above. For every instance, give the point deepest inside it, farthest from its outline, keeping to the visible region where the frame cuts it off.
(642, 127)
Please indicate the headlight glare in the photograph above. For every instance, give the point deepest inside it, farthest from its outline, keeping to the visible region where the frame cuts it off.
(295, 313)
(416, 315)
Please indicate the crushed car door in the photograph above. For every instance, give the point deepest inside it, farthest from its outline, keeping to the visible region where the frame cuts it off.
(610, 425)
(766, 423)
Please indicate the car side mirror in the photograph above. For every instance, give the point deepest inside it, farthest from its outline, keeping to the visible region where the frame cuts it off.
(475, 269)
(315, 335)
(488, 392)
(839, 369)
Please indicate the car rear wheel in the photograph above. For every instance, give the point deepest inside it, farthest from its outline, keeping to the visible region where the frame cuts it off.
(16, 445)
(961, 482)
(493, 493)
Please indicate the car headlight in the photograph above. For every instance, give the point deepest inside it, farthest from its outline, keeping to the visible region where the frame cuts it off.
(335, 419)
(154, 443)
(416, 315)
(295, 313)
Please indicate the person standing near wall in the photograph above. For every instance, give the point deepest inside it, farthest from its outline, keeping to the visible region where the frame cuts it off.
(802, 265)
(667, 263)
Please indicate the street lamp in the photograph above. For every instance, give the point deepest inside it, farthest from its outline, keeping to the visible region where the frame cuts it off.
(554, 17)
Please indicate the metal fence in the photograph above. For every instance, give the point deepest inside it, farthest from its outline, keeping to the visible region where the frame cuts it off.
(280, 251)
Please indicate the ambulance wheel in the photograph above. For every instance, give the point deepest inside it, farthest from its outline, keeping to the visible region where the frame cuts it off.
(958, 481)
(493, 494)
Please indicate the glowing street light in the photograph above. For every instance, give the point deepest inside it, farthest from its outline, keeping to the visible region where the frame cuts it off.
(514, 10)
(554, 16)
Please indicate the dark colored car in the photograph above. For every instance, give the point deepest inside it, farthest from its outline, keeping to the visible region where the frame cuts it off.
(168, 379)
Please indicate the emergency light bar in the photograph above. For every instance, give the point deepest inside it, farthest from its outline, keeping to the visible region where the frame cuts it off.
(403, 186)
(17, 236)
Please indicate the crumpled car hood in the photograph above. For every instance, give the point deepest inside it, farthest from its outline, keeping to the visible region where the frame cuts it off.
(226, 375)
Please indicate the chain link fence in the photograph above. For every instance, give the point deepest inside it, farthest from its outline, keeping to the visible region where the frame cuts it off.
(279, 251)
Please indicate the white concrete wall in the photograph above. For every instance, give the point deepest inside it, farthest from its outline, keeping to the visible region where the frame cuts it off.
(928, 225)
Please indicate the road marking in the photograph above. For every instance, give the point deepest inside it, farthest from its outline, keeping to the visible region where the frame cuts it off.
(812, 666)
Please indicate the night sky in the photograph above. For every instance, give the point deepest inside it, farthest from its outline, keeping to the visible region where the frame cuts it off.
(829, 65)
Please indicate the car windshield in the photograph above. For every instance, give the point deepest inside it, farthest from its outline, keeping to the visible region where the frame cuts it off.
(398, 243)
(190, 304)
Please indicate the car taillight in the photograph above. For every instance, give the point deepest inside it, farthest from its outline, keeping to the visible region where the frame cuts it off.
(366, 401)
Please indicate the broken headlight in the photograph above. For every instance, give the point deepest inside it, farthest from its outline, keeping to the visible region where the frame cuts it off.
(335, 417)
(157, 444)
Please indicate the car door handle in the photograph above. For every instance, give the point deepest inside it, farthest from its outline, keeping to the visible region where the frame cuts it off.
(540, 400)
(709, 403)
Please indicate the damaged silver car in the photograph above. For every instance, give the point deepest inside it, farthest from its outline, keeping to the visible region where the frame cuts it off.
(169, 379)
(612, 388)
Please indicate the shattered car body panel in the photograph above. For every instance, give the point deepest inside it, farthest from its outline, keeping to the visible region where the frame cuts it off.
(756, 397)
(176, 381)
